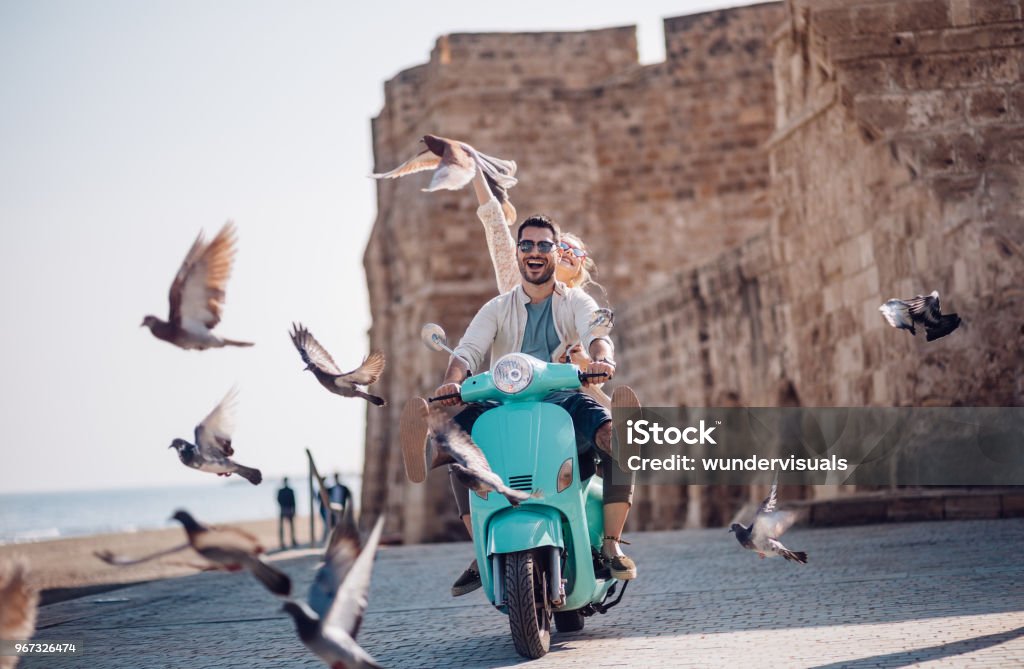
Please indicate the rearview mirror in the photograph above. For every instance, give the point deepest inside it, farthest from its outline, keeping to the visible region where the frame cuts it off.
(433, 337)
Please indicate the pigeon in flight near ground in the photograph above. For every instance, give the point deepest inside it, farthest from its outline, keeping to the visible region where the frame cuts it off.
(763, 534)
(456, 163)
(212, 447)
(197, 295)
(468, 462)
(922, 309)
(121, 561)
(329, 625)
(319, 361)
(19, 603)
(327, 580)
(233, 549)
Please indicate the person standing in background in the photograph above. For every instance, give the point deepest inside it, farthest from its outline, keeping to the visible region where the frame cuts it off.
(286, 501)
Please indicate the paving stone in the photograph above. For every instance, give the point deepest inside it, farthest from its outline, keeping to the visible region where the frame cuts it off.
(947, 593)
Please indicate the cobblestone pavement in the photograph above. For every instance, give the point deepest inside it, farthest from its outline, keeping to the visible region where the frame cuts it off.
(937, 594)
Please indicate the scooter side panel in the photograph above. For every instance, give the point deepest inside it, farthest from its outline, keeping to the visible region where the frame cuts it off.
(526, 445)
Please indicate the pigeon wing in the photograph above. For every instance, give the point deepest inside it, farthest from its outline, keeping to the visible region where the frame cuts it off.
(768, 505)
(197, 294)
(341, 553)
(454, 442)
(19, 602)
(311, 351)
(499, 172)
(346, 612)
(421, 162)
(457, 168)
(925, 308)
(213, 435)
(227, 539)
(121, 561)
(367, 373)
(773, 525)
(897, 314)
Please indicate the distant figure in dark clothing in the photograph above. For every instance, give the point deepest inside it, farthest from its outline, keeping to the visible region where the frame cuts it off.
(286, 500)
(339, 496)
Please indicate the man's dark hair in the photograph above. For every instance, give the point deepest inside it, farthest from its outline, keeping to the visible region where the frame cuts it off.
(539, 222)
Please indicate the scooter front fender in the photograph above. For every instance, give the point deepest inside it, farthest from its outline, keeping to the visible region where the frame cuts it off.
(528, 527)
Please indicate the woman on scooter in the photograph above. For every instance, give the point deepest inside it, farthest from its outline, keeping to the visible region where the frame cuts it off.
(574, 270)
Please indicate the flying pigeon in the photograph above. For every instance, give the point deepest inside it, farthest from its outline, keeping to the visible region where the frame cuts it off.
(233, 549)
(121, 561)
(451, 443)
(921, 309)
(456, 163)
(329, 624)
(197, 295)
(763, 534)
(601, 323)
(319, 361)
(212, 447)
(19, 603)
(328, 577)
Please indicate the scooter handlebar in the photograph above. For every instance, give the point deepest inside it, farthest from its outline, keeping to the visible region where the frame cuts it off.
(587, 375)
(449, 396)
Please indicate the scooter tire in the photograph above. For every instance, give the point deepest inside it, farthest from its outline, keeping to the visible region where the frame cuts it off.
(529, 613)
(568, 621)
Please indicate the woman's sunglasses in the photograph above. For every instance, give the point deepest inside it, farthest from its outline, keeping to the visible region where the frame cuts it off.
(526, 246)
(579, 253)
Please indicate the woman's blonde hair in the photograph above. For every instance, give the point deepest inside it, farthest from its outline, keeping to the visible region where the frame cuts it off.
(584, 277)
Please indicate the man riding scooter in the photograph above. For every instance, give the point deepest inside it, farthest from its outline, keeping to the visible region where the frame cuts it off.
(536, 318)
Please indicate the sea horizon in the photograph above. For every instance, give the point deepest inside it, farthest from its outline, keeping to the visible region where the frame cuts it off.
(44, 516)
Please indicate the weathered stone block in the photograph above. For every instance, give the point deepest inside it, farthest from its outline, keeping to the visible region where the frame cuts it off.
(932, 110)
(921, 14)
(960, 12)
(887, 113)
(920, 508)
(1004, 145)
(1015, 97)
(841, 512)
(994, 11)
(1012, 504)
(963, 507)
(987, 105)
(832, 22)
(870, 19)
(872, 46)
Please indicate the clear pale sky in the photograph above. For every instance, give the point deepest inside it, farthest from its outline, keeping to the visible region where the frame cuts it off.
(125, 128)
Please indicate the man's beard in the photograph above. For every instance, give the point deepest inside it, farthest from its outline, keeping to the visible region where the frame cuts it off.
(544, 278)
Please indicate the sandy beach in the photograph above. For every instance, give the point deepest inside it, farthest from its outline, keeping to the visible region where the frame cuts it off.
(67, 567)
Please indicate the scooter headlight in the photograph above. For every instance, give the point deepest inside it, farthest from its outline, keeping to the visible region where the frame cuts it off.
(513, 373)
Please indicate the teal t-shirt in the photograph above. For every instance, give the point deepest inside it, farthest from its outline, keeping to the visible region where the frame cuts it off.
(540, 339)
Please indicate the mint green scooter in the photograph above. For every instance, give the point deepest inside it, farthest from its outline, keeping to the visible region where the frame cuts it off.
(541, 559)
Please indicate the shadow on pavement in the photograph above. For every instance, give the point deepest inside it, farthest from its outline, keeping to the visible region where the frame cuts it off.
(918, 655)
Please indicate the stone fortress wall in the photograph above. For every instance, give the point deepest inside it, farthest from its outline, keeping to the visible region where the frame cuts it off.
(750, 201)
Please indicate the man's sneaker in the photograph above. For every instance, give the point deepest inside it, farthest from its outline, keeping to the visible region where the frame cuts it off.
(412, 435)
(468, 582)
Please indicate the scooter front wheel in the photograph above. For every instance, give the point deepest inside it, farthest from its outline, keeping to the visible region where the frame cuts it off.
(529, 612)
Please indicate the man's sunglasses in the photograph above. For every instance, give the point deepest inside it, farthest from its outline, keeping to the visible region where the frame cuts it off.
(579, 253)
(526, 246)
